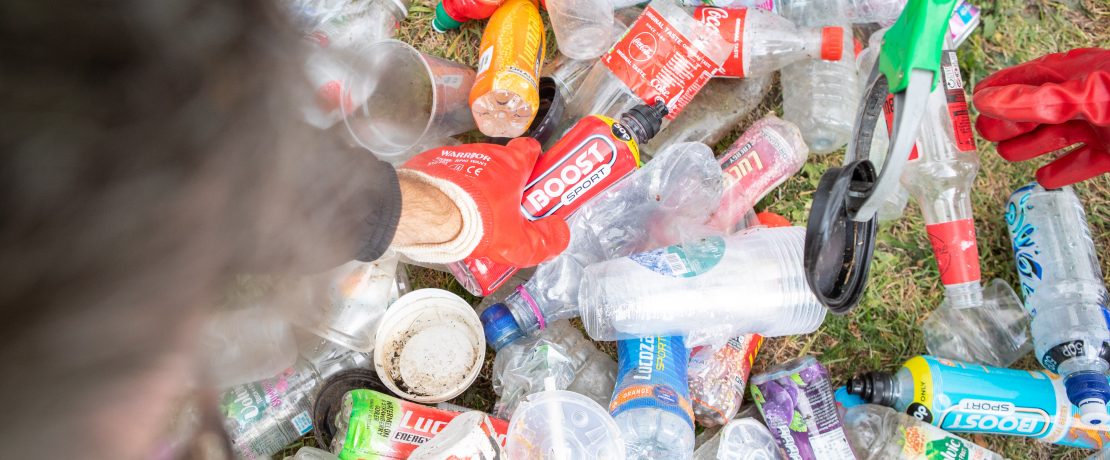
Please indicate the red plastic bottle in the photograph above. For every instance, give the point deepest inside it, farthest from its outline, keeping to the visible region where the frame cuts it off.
(593, 155)
(450, 14)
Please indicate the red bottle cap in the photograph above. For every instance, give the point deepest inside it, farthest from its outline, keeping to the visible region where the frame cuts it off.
(832, 43)
(771, 219)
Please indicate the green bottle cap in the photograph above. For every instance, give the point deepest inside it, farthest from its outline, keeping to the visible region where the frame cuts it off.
(443, 21)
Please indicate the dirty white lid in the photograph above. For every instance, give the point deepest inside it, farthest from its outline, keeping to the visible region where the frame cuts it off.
(430, 346)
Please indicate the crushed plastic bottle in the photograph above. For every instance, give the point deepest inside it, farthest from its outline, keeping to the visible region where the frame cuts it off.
(994, 333)
(940, 179)
(622, 78)
(881, 433)
(741, 439)
(597, 153)
(718, 377)
(679, 188)
(821, 97)
(246, 345)
(651, 402)
(644, 294)
(717, 109)
(505, 96)
(972, 398)
(763, 42)
(560, 353)
(796, 399)
(1064, 292)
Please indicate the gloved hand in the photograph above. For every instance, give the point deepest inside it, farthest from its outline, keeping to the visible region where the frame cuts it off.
(1047, 104)
(486, 181)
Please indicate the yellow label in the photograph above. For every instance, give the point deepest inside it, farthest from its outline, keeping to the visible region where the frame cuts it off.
(630, 142)
(922, 381)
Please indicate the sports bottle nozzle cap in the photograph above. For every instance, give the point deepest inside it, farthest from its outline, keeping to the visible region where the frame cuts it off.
(644, 120)
(873, 387)
(1089, 391)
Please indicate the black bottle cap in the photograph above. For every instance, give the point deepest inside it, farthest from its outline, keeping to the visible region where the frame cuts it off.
(644, 120)
(873, 387)
(838, 249)
(329, 399)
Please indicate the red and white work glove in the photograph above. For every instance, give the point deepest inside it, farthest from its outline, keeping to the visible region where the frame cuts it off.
(486, 182)
(1048, 104)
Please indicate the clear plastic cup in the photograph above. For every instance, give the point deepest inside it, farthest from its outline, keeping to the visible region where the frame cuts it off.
(558, 424)
(413, 100)
(345, 304)
(995, 333)
(747, 439)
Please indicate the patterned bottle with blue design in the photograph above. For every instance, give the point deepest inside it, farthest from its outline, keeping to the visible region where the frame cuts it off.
(1064, 292)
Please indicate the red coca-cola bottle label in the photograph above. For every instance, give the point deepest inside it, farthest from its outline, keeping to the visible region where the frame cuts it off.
(658, 63)
(956, 250)
(729, 23)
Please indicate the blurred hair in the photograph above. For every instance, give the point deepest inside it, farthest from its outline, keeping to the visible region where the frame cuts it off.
(147, 147)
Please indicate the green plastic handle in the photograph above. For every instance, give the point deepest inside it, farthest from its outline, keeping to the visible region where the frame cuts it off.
(915, 41)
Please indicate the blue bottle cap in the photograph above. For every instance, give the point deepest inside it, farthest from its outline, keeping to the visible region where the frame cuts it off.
(500, 326)
(1089, 391)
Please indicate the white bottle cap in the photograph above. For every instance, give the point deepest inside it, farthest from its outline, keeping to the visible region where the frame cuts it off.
(1093, 412)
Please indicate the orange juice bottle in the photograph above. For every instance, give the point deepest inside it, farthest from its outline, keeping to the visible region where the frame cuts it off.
(505, 95)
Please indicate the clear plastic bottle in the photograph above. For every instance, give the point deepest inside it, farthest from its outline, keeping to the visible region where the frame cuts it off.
(560, 354)
(714, 112)
(679, 188)
(821, 97)
(603, 92)
(881, 433)
(644, 294)
(719, 376)
(940, 179)
(1064, 292)
(583, 28)
(657, 423)
(763, 42)
(995, 333)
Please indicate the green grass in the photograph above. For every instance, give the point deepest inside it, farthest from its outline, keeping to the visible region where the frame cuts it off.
(904, 286)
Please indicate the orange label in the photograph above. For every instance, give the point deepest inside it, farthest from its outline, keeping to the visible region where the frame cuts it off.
(658, 63)
(512, 52)
(956, 250)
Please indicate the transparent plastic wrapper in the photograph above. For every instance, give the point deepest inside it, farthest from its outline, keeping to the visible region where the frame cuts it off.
(1064, 291)
(645, 294)
(345, 304)
(556, 424)
(718, 378)
(741, 439)
(763, 42)
(940, 178)
(995, 333)
(651, 401)
(714, 112)
(821, 97)
(796, 399)
(246, 345)
(676, 191)
(623, 76)
(399, 102)
(881, 433)
(560, 354)
(769, 152)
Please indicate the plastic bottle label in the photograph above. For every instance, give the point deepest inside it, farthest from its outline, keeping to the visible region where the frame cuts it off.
(956, 250)
(957, 101)
(929, 443)
(888, 114)
(1034, 403)
(382, 426)
(652, 374)
(512, 53)
(801, 413)
(595, 154)
(658, 63)
(729, 23)
(683, 260)
(752, 168)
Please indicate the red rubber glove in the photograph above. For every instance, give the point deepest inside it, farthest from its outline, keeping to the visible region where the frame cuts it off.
(1047, 104)
(486, 182)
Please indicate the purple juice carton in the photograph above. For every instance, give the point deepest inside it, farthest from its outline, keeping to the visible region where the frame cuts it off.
(796, 399)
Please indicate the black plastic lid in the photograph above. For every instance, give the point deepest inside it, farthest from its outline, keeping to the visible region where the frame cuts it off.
(329, 399)
(873, 387)
(644, 120)
(838, 249)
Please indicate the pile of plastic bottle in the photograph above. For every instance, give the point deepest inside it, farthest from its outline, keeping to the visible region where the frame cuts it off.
(667, 257)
